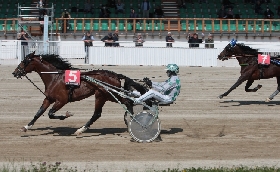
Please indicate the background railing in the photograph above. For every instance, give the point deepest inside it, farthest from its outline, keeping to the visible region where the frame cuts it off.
(212, 25)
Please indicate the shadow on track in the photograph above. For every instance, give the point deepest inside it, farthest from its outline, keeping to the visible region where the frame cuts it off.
(243, 103)
(68, 131)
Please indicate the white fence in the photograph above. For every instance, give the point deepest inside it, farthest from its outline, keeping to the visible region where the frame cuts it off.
(152, 56)
(152, 53)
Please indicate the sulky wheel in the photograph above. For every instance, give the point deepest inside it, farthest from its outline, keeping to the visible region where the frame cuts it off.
(143, 127)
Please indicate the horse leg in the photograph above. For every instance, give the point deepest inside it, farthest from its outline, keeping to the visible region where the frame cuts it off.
(99, 103)
(248, 85)
(275, 92)
(58, 105)
(240, 80)
(45, 105)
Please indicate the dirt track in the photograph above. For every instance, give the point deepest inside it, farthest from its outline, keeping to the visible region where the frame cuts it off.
(199, 130)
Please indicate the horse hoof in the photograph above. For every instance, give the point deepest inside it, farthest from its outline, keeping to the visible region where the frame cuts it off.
(259, 86)
(80, 130)
(69, 114)
(267, 100)
(221, 96)
(23, 129)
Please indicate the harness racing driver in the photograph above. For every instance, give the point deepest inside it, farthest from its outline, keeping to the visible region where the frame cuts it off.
(165, 92)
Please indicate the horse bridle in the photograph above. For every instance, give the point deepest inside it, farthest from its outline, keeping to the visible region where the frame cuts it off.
(228, 48)
(25, 61)
(21, 70)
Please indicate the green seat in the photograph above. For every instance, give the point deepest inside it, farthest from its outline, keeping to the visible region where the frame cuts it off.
(88, 15)
(129, 26)
(104, 26)
(190, 15)
(58, 25)
(241, 27)
(2, 28)
(95, 26)
(266, 28)
(232, 27)
(183, 26)
(191, 27)
(199, 15)
(250, 28)
(138, 26)
(148, 26)
(208, 27)
(79, 26)
(162, 26)
(216, 27)
(113, 26)
(277, 28)
(71, 25)
(87, 26)
(258, 28)
(121, 26)
(199, 27)
(81, 15)
(224, 27)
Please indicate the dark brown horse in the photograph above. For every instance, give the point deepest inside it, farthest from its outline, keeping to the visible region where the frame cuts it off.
(250, 69)
(57, 92)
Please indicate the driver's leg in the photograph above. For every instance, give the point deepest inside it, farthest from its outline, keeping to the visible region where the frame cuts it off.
(153, 94)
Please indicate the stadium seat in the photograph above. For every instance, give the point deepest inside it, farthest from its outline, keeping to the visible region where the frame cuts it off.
(87, 26)
(191, 27)
(250, 28)
(54, 26)
(121, 26)
(199, 27)
(232, 27)
(277, 28)
(208, 27)
(224, 27)
(71, 26)
(95, 26)
(79, 27)
(216, 27)
(104, 26)
(2, 28)
(129, 26)
(138, 26)
(113, 26)
(148, 26)
(241, 27)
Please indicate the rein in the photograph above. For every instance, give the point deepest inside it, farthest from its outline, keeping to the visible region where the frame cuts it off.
(25, 74)
(36, 86)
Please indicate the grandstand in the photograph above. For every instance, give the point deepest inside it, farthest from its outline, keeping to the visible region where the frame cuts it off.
(196, 17)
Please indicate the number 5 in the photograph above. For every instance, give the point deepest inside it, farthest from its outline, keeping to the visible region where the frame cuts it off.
(72, 74)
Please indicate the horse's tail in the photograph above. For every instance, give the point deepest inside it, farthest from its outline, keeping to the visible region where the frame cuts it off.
(131, 84)
(121, 76)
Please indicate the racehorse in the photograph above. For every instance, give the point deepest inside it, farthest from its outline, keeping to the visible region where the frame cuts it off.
(57, 92)
(250, 69)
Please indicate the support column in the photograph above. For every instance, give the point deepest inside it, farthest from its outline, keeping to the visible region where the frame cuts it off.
(45, 34)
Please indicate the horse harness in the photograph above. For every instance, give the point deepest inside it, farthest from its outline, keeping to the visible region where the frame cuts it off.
(26, 61)
(261, 67)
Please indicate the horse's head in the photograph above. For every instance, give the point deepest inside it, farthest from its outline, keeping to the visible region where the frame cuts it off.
(27, 65)
(230, 50)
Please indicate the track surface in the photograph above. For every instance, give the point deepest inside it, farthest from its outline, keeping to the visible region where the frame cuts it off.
(200, 130)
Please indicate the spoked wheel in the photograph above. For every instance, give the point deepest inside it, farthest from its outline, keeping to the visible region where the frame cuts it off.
(144, 127)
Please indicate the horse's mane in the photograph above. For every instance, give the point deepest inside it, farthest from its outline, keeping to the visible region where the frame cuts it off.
(57, 61)
(247, 49)
(107, 73)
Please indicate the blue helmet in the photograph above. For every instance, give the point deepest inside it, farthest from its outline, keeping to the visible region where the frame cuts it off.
(172, 68)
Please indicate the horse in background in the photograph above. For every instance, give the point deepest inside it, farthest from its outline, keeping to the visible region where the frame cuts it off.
(250, 69)
(57, 92)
